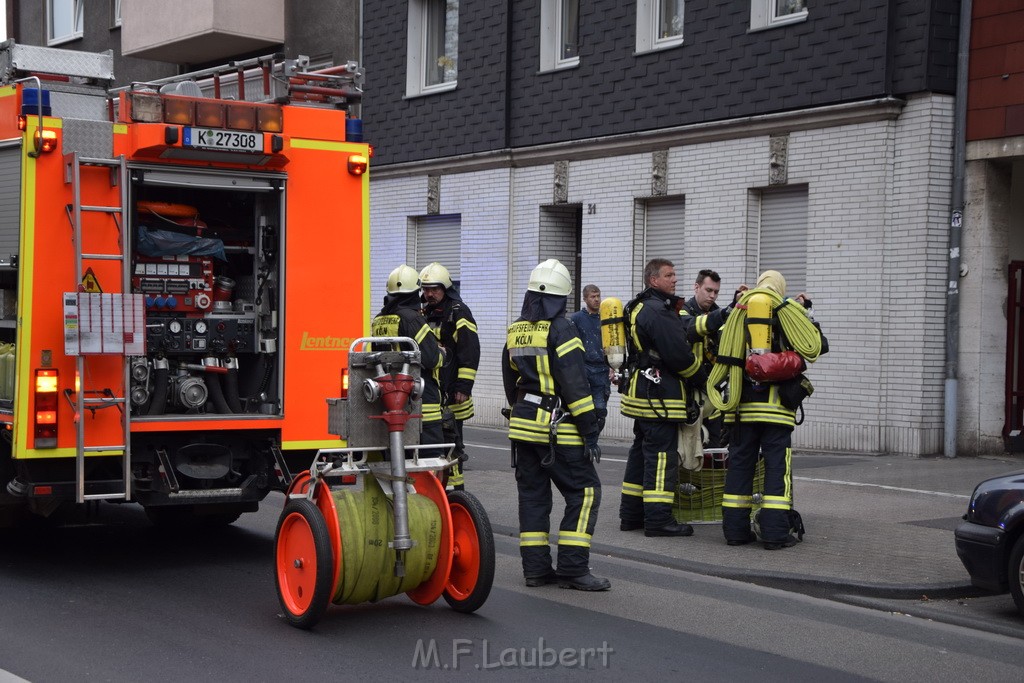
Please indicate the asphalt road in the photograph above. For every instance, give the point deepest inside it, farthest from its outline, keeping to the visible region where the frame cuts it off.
(119, 600)
(123, 602)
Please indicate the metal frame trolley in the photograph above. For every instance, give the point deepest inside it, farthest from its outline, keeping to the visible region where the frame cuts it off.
(373, 519)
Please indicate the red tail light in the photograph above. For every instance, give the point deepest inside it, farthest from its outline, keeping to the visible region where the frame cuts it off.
(344, 383)
(45, 423)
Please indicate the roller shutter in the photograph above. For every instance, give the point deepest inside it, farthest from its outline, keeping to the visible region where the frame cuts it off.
(438, 238)
(784, 236)
(10, 200)
(663, 237)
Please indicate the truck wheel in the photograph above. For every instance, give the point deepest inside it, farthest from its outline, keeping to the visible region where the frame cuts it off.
(472, 572)
(303, 563)
(1015, 574)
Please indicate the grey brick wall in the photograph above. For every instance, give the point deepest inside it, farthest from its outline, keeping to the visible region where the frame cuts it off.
(876, 251)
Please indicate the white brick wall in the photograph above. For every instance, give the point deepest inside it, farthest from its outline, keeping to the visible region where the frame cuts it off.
(877, 214)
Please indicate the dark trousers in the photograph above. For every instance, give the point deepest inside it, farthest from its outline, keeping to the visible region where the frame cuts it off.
(430, 432)
(718, 432)
(576, 479)
(600, 390)
(652, 472)
(773, 442)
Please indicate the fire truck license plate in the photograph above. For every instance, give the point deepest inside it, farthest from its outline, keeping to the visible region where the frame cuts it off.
(212, 138)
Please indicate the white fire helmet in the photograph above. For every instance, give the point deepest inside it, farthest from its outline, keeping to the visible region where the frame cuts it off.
(435, 275)
(403, 280)
(550, 277)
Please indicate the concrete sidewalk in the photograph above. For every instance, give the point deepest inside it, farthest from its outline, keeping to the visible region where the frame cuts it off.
(876, 525)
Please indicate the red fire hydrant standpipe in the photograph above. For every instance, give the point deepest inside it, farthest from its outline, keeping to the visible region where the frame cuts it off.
(395, 392)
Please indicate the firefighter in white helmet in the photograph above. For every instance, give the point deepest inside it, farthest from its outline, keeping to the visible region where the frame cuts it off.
(401, 317)
(553, 430)
(452, 321)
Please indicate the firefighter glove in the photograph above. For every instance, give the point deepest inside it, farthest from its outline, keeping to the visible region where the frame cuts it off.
(592, 450)
(692, 335)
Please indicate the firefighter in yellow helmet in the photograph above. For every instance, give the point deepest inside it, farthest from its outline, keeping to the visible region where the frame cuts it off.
(765, 326)
(452, 321)
(553, 429)
(401, 317)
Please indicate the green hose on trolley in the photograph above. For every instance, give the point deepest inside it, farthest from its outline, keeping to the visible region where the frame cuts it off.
(366, 521)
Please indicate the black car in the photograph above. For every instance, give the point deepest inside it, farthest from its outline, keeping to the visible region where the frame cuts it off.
(990, 541)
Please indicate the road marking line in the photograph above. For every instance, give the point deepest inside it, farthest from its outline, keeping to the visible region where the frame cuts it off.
(883, 486)
(490, 448)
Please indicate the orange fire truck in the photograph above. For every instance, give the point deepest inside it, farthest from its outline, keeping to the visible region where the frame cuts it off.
(183, 265)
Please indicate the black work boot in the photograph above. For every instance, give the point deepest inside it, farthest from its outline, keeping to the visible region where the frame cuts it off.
(750, 538)
(787, 542)
(542, 580)
(587, 582)
(671, 529)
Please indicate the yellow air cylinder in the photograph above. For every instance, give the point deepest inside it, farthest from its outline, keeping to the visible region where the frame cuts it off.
(759, 313)
(613, 332)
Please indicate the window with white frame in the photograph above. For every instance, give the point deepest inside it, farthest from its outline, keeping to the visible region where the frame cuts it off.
(433, 60)
(659, 24)
(64, 20)
(560, 34)
(115, 13)
(770, 13)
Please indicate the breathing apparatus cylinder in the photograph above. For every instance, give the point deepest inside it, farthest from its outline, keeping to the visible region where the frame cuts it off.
(613, 332)
(759, 308)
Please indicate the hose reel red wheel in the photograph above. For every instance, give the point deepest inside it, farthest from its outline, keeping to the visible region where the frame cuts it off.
(304, 563)
(300, 483)
(430, 590)
(472, 572)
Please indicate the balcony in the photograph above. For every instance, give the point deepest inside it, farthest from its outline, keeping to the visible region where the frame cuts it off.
(199, 31)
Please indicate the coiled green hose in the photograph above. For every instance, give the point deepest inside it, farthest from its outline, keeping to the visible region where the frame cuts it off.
(800, 332)
(366, 520)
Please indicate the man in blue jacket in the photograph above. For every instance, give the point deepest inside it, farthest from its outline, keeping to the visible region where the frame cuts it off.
(588, 322)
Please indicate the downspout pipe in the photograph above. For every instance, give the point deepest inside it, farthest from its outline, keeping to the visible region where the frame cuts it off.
(511, 307)
(956, 223)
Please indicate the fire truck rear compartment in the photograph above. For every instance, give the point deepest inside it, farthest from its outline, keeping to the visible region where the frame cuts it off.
(206, 258)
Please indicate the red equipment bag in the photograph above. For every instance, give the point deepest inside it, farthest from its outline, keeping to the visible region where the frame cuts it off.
(774, 367)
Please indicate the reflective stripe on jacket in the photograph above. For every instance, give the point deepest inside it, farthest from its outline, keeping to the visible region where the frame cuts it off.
(657, 338)
(407, 322)
(453, 323)
(543, 360)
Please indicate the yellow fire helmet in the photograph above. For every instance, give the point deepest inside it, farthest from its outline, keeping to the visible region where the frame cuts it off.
(403, 280)
(435, 275)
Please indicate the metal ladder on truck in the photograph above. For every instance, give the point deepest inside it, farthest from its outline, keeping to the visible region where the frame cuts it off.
(109, 397)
